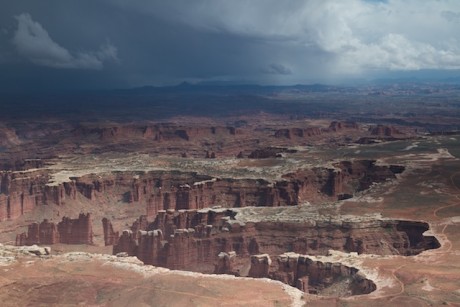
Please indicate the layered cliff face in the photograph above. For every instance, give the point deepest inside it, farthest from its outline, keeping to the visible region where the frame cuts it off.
(197, 132)
(269, 152)
(346, 178)
(339, 126)
(296, 133)
(193, 240)
(163, 191)
(68, 231)
(110, 236)
(291, 133)
(155, 132)
(312, 276)
(317, 277)
(21, 192)
(216, 241)
(381, 133)
(384, 131)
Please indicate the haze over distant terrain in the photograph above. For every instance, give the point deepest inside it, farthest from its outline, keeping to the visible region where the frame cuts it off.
(61, 45)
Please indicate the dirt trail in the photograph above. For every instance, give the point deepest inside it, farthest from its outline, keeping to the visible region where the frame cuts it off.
(398, 280)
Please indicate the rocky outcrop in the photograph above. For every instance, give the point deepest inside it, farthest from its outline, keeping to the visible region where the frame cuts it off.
(21, 164)
(173, 190)
(346, 177)
(260, 266)
(225, 263)
(318, 277)
(336, 126)
(21, 192)
(384, 131)
(44, 233)
(68, 231)
(110, 236)
(126, 243)
(156, 132)
(269, 152)
(193, 240)
(291, 133)
(359, 175)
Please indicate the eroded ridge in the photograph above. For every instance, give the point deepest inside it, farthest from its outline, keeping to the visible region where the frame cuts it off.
(21, 192)
(252, 242)
(216, 241)
(261, 220)
(311, 275)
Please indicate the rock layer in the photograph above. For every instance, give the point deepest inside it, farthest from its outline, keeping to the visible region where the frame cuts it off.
(193, 240)
(68, 231)
(319, 277)
(21, 192)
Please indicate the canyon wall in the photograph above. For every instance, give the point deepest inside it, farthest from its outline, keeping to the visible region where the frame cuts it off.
(177, 132)
(155, 132)
(174, 190)
(316, 277)
(21, 192)
(384, 131)
(68, 231)
(193, 240)
(110, 236)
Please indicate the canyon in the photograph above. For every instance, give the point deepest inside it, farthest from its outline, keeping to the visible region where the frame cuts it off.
(22, 191)
(215, 241)
(302, 203)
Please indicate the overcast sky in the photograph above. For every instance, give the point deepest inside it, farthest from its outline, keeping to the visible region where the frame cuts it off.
(65, 44)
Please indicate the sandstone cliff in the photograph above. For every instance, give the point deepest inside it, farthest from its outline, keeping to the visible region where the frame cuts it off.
(193, 240)
(21, 192)
(384, 131)
(110, 236)
(68, 231)
(316, 277)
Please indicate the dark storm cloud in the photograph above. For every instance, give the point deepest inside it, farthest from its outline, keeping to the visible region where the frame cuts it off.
(277, 69)
(34, 43)
(118, 43)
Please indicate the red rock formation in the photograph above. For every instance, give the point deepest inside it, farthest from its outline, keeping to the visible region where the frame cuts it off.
(68, 231)
(269, 152)
(76, 231)
(21, 192)
(314, 276)
(126, 244)
(384, 131)
(54, 194)
(3, 207)
(110, 236)
(225, 263)
(338, 126)
(193, 240)
(157, 132)
(162, 191)
(150, 246)
(21, 164)
(48, 233)
(291, 133)
(44, 233)
(260, 266)
(140, 224)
